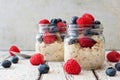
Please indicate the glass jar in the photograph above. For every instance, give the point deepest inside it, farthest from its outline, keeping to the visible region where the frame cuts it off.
(49, 42)
(86, 45)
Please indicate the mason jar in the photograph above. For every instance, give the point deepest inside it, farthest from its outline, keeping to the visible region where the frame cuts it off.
(86, 45)
(49, 42)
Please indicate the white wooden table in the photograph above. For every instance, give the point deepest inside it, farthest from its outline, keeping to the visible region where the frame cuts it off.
(25, 71)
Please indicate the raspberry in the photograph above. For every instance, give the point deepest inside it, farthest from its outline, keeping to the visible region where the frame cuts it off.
(86, 42)
(84, 22)
(61, 26)
(14, 49)
(113, 56)
(44, 21)
(72, 67)
(87, 15)
(37, 59)
(49, 38)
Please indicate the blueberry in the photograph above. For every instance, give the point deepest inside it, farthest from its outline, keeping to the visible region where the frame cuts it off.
(6, 63)
(43, 68)
(96, 24)
(62, 36)
(111, 71)
(117, 66)
(15, 59)
(64, 21)
(89, 32)
(53, 29)
(59, 20)
(53, 21)
(73, 19)
(72, 40)
(39, 38)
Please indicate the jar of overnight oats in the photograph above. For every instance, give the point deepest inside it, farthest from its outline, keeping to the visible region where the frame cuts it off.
(49, 40)
(85, 44)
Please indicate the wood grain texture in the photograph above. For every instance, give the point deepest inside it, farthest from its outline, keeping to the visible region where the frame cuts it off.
(56, 72)
(23, 70)
(101, 72)
(84, 75)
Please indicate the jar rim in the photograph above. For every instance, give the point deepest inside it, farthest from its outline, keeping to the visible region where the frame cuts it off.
(86, 26)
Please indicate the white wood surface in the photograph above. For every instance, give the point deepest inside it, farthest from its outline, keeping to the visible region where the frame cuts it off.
(56, 72)
(101, 72)
(84, 75)
(25, 71)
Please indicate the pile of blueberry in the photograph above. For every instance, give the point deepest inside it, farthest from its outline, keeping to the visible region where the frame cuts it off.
(111, 71)
(8, 63)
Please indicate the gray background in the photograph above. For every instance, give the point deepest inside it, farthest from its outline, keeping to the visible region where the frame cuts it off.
(19, 19)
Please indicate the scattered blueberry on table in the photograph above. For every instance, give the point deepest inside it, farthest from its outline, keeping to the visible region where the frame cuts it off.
(6, 64)
(43, 68)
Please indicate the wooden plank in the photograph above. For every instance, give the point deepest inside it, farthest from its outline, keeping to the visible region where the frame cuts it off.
(56, 72)
(84, 75)
(101, 72)
(21, 71)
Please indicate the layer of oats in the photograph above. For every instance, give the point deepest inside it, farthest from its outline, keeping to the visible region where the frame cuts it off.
(52, 52)
(87, 57)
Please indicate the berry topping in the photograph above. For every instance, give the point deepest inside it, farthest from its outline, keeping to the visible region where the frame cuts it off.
(49, 38)
(44, 21)
(86, 41)
(117, 66)
(96, 24)
(87, 15)
(113, 56)
(59, 20)
(84, 22)
(54, 21)
(61, 26)
(72, 67)
(111, 71)
(43, 68)
(53, 29)
(15, 59)
(14, 49)
(64, 21)
(6, 63)
(37, 59)
(73, 19)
